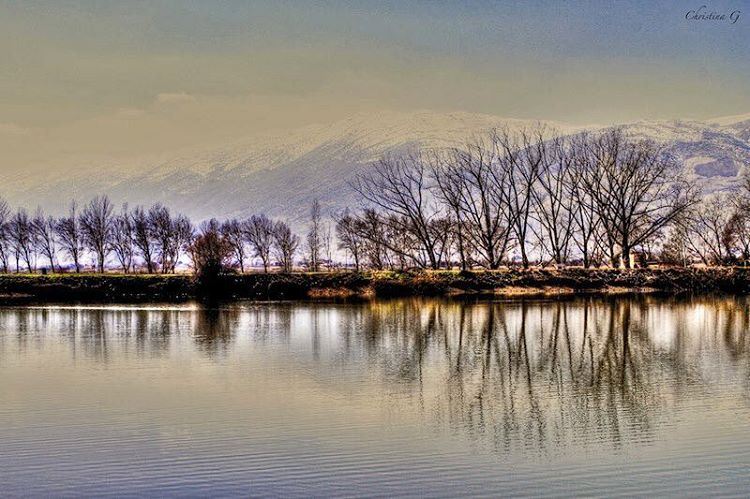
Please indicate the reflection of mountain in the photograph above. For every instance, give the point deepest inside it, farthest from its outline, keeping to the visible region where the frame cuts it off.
(281, 174)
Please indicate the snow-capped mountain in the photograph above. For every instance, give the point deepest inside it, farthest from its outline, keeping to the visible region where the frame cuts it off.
(714, 152)
(281, 174)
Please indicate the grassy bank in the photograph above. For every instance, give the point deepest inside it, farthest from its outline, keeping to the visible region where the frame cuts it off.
(22, 288)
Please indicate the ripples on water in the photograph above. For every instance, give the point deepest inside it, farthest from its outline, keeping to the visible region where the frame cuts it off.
(595, 396)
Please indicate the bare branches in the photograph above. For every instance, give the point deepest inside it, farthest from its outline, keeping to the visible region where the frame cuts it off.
(633, 187)
(234, 232)
(285, 244)
(398, 185)
(123, 239)
(315, 237)
(96, 228)
(22, 239)
(551, 198)
(259, 233)
(43, 228)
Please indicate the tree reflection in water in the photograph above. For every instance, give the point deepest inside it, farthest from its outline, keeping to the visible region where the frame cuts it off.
(533, 375)
(543, 374)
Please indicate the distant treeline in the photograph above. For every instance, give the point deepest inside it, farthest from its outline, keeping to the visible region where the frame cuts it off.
(508, 199)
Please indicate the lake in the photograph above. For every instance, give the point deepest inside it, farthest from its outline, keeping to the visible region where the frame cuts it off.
(589, 396)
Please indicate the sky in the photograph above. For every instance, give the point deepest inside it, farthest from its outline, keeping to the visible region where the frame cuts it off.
(125, 78)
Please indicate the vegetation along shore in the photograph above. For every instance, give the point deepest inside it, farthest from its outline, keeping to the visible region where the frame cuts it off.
(30, 288)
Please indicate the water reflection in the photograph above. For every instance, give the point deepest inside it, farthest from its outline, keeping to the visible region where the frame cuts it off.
(532, 378)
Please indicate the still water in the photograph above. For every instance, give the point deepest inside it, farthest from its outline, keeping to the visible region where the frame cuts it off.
(613, 396)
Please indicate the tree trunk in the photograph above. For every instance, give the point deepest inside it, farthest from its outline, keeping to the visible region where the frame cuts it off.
(524, 257)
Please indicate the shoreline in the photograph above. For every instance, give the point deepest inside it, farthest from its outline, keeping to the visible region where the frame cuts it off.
(119, 288)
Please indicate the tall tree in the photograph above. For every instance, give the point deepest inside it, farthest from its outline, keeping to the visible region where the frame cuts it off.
(586, 222)
(286, 244)
(349, 238)
(184, 234)
(636, 189)
(5, 241)
(23, 239)
(314, 237)
(474, 183)
(233, 232)
(553, 202)
(160, 220)
(259, 232)
(44, 233)
(449, 187)
(143, 237)
(210, 252)
(399, 186)
(68, 230)
(711, 229)
(521, 156)
(123, 239)
(96, 228)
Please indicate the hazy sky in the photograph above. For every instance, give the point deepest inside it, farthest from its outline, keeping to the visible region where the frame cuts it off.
(125, 77)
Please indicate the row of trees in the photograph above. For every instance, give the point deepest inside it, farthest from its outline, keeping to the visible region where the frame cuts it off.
(150, 240)
(521, 198)
(532, 197)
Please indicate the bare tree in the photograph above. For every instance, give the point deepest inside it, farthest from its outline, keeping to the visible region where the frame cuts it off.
(328, 245)
(259, 232)
(169, 235)
(349, 238)
(399, 186)
(23, 240)
(737, 232)
(522, 156)
(710, 229)
(123, 236)
(442, 230)
(373, 231)
(210, 252)
(96, 228)
(233, 232)
(553, 202)
(583, 211)
(68, 230)
(635, 188)
(44, 234)
(143, 237)
(285, 244)
(676, 247)
(474, 184)
(184, 234)
(5, 241)
(314, 238)
(160, 222)
(449, 188)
